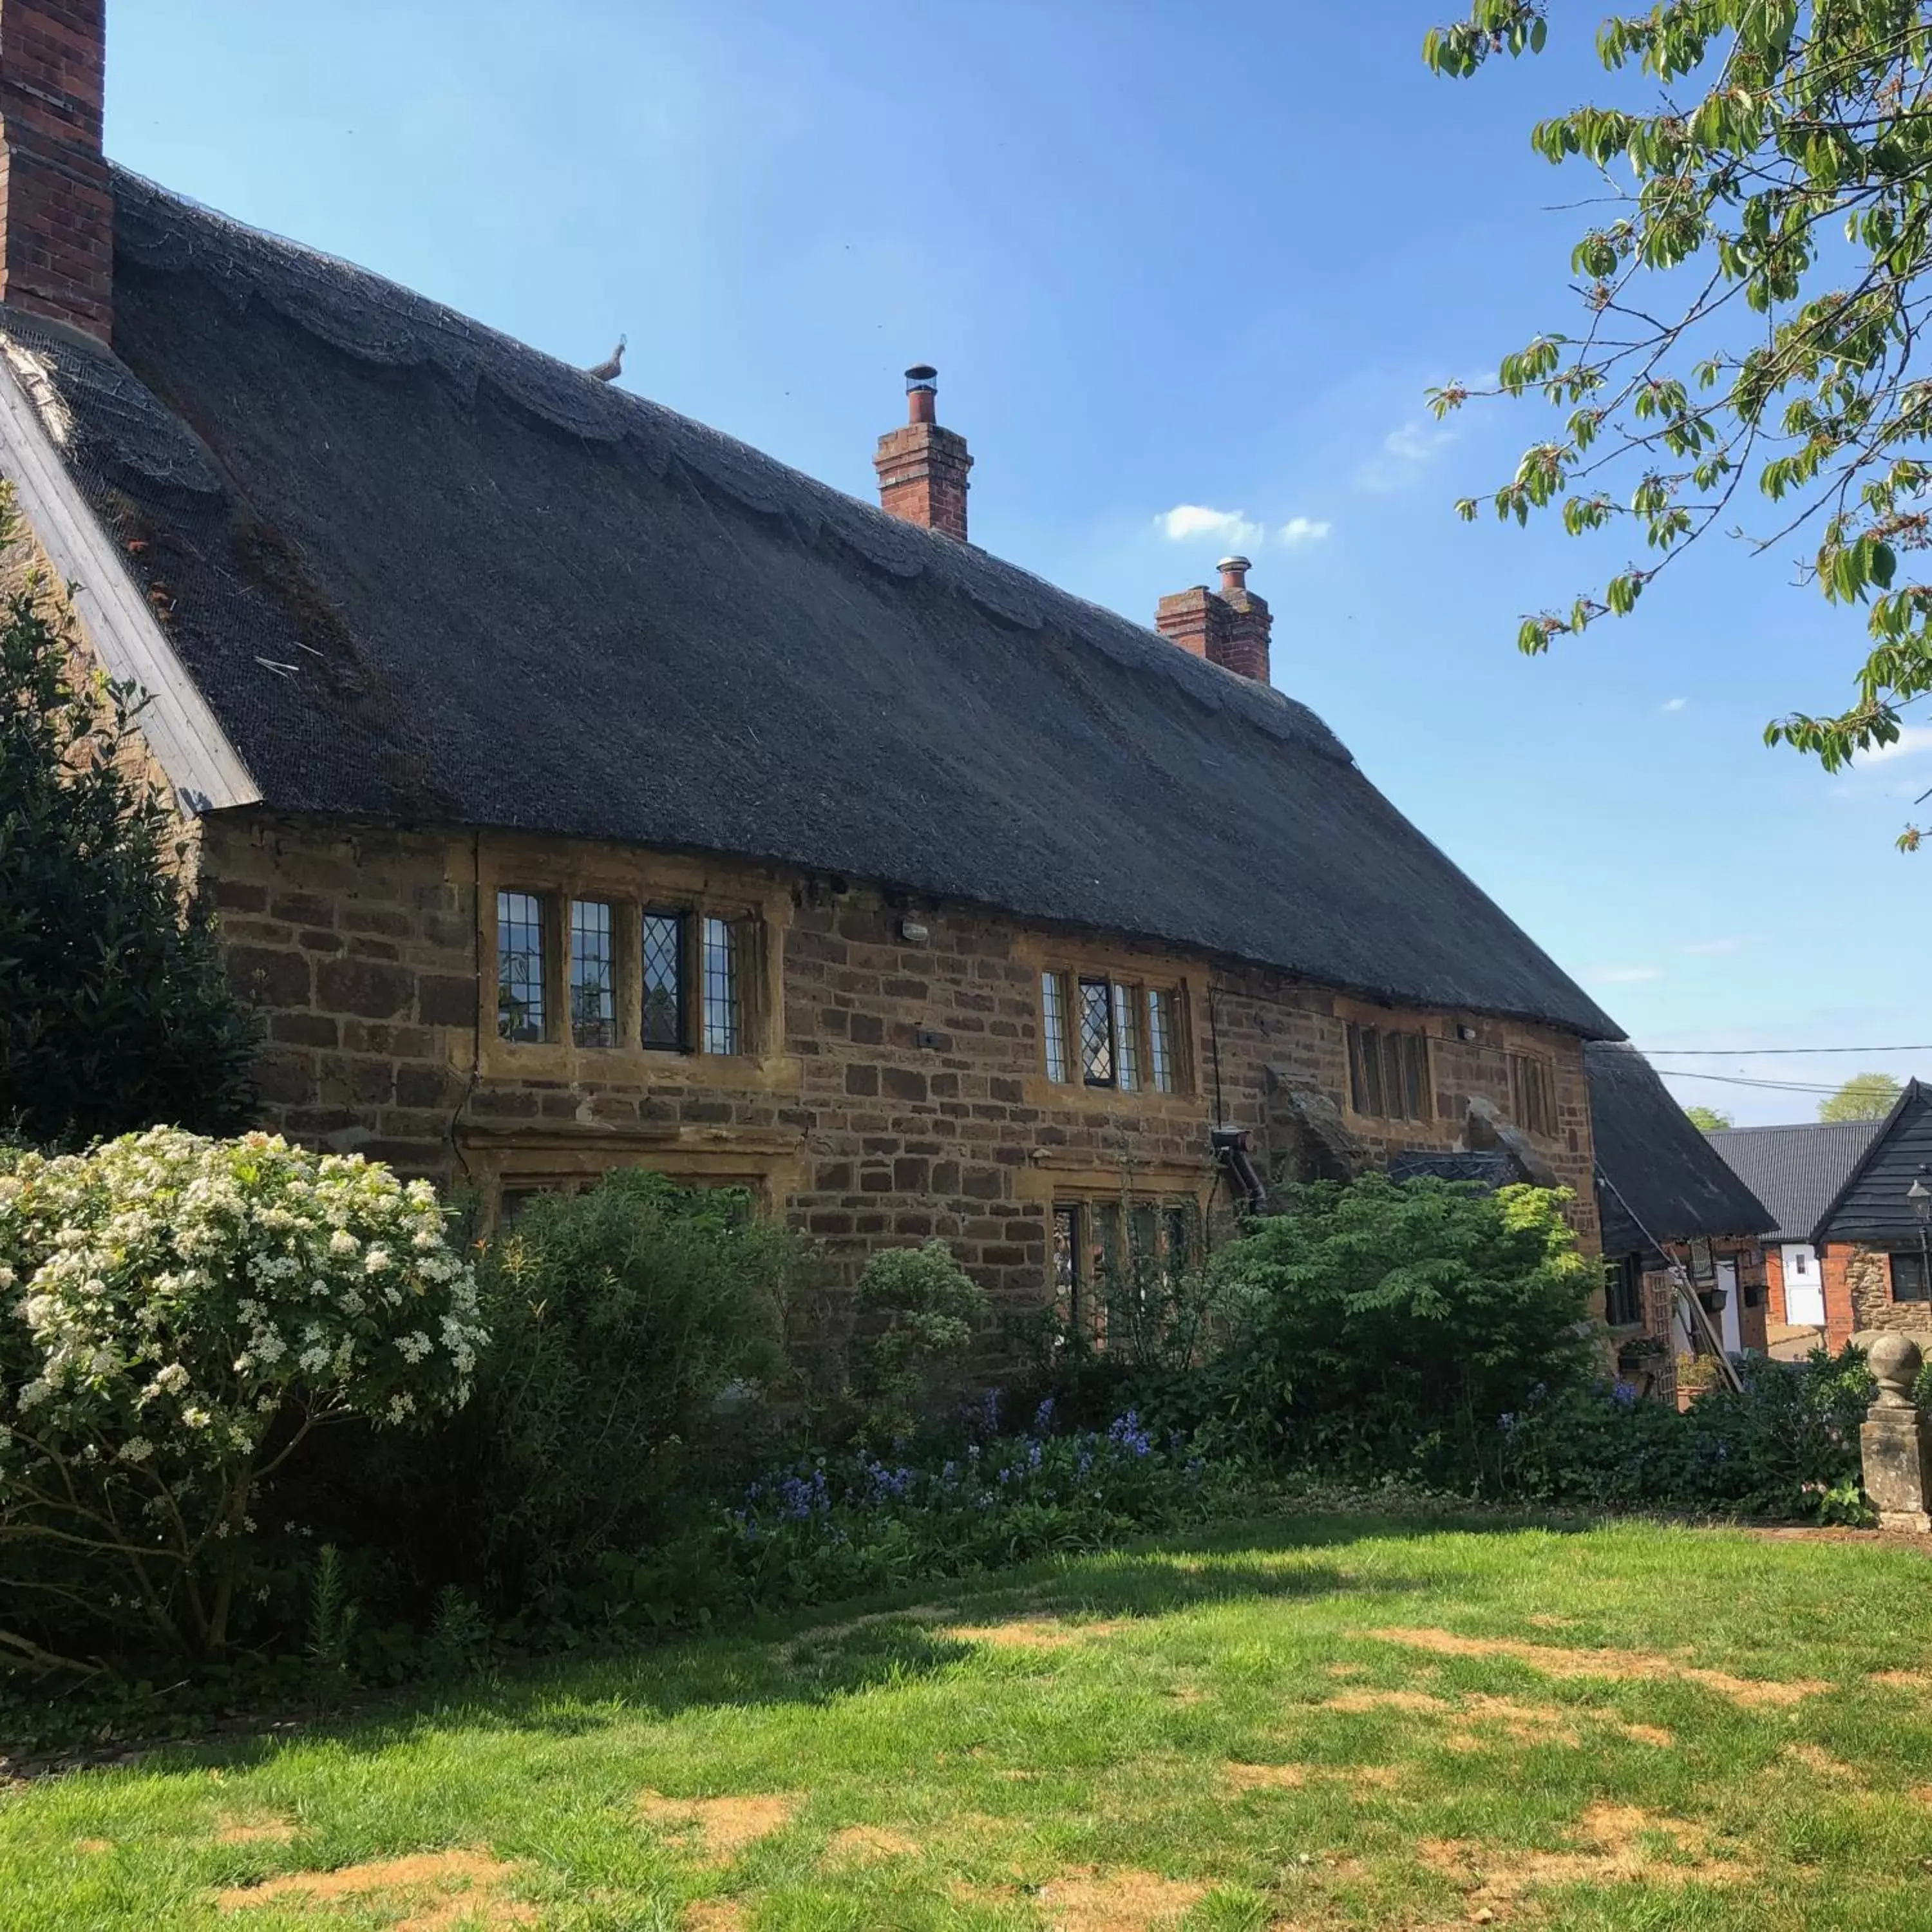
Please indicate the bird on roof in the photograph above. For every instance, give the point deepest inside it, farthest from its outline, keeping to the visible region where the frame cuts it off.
(610, 371)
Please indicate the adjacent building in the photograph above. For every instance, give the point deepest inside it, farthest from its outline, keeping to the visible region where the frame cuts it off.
(1798, 1171)
(580, 787)
(1875, 1234)
(1665, 1199)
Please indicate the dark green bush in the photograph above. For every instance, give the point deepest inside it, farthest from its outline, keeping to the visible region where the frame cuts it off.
(827, 1528)
(920, 1313)
(115, 1014)
(628, 1323)
(1785, 1445)
(1386, 1325)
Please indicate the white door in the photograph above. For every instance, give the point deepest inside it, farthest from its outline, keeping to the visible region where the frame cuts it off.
(1803, 1288)
(1728, 1329)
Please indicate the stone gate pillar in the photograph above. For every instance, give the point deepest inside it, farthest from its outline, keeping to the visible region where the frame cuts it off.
(1896, 1440)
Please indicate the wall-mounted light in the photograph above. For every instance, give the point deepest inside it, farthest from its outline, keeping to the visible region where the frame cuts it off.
(915, 931)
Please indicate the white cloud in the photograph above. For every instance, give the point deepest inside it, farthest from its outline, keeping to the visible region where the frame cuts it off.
(1624, 975)
(1673, 704)
(1304, 530)
(1406, 452)
(1912, 739)
(1186, 521)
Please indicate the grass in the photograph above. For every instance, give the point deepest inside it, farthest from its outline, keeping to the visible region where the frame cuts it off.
(1195, 1735)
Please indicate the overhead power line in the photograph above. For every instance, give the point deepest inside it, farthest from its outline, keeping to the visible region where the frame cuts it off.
(1745, 1080)
(1752, 1052)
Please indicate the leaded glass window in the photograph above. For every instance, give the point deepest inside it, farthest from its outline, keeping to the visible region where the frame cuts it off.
(1126, 1040)
(1053, 1025)
(1160, 1040)
(520, 966)
(593, 975)
(1097, 1033)
(722, 1029)
(662, 958)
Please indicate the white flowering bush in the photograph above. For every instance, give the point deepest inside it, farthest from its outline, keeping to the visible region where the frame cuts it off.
(178, 1316)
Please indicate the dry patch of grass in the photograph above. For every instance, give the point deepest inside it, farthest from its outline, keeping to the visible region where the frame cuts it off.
(1031, 1634)
(1416, 1702)
(870, 1845)
(94, 1847)
(1820, 1763)
(714, 1914)
(1087, 1900)
(437, 1889)
(1293, 1776)
(723, 1827)
(830, 1633)
(1554, 1661)
(1476, 1714)
(255, 1832)
(1625, 1845)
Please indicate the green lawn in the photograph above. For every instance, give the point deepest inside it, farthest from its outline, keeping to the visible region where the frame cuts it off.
(1316, 1723)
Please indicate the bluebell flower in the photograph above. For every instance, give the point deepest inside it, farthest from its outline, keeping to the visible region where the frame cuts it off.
(1042, 1417)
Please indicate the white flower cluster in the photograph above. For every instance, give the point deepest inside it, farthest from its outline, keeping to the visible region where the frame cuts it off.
(178, 1291)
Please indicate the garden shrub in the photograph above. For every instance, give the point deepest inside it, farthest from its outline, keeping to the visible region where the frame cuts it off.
(1787, 1445)
(922, 1311)
(1387, 1324)
(116, 1015)
(827, 1528)
(623, 1319)
(177, 1316)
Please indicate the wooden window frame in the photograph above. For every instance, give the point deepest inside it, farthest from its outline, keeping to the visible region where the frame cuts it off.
(1915, 1262)
(1532, 1081)
(1623, 1287)
(1081, 1296)
(1375, 1051)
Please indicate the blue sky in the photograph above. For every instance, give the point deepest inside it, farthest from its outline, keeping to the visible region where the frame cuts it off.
(1163, 257)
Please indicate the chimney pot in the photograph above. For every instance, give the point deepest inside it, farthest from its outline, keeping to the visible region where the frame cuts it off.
(922, 393)
(1234, 572)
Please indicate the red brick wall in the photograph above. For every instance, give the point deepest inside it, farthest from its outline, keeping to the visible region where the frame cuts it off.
(56, 212)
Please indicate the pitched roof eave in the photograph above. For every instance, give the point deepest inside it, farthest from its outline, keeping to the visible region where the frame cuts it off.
(1913, 1091)
(181, 729)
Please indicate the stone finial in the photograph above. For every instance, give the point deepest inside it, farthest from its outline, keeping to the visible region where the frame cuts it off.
(1895, 1361)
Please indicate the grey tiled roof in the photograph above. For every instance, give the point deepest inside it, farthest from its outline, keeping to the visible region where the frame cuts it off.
(1795, 1170)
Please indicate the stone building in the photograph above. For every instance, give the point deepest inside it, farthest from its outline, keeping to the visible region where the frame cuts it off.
(1667, 1202)
(579, 787)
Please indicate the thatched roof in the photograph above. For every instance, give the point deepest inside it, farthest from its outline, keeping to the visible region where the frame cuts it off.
(421, 572)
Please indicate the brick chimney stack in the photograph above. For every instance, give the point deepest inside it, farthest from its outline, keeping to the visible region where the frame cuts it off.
(921, 467)
(1229, 627)
(56, 209)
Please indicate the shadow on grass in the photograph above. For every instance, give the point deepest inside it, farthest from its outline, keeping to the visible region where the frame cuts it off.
(835, 1652)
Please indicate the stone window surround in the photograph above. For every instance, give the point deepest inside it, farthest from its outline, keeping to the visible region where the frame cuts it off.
(1123, 965)
(1055, 1179)
(631, 881)
(1441, 1030)
(769, 1166)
